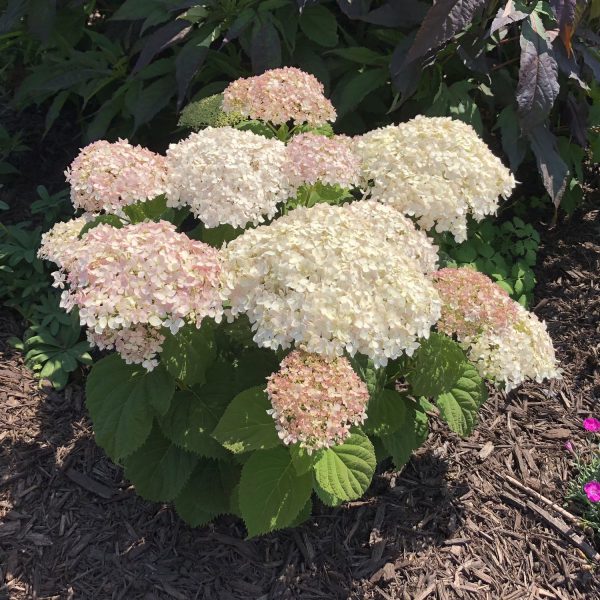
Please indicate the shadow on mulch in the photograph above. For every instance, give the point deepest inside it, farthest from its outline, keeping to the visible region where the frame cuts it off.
(451, 525)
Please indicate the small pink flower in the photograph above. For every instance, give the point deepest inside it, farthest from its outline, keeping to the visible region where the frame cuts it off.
(592, 491)
(591, 424)
(569, 446)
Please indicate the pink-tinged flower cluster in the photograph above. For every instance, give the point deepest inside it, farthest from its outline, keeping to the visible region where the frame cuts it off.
(592, 491)
(139, 344)
(108, 176)
(504, 341)
(279, 96)
(591, 424)
(472, 302)
(129, 283)
(332, 161)
(316, 400)
(61, 244)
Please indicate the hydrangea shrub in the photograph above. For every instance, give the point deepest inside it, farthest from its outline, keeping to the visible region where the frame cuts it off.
(275, 302)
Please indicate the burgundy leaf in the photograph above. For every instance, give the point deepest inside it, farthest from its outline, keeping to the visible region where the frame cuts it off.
(405, 76)
(576, 112)
(188, 61)
(160, 40)
(538, 75)
(507, 16)
(396, 13)
(551, 166)
(568, 65)
(590, 60)
(442, 22)
(565, 15)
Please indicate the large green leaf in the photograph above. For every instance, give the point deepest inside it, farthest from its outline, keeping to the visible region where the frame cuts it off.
(319, 24)
(386, 413)
(272, 494)
(436, 366)
(344, 472)
(413, 432)
(191, 419)
(246, 425)
(122, 400)
(159, 469)
(189, 352)
(207, 494)
(460, 405)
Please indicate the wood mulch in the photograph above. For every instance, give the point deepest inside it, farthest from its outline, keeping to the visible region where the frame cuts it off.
(463, 520)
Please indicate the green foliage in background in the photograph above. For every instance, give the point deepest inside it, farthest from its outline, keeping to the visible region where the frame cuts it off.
(52, 343)
(522, 72)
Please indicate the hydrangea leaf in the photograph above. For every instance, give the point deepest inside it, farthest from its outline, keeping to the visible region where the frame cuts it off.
(206, 495)
(460, 405)
(272, 494)
(111, 220)
(304, 514)
(302, 460)
(191, 419)
(245, 425)
(159, 469)
(401, 443)
(436, 366)
(387, 412)
(153, 209)
(344, 472)
(189, 352)
(122, 399)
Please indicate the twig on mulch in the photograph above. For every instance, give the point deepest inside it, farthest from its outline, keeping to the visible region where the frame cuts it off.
(559, 509)
(558, 525)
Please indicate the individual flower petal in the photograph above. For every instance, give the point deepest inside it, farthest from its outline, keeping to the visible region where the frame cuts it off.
(436, 169)
(279, 96)
(316, 400)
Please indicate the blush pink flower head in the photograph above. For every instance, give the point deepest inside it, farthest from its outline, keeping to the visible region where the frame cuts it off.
(279, 96)
(316, 400)
(108, 176)
(129, 283)
(592, 491)
(472, 302)
(312, 158)
(591, 424)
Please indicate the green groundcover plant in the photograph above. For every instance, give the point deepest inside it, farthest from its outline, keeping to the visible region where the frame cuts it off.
(584, 490)
(274, 298)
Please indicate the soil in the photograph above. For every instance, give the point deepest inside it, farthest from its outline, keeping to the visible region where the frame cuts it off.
(452, 524)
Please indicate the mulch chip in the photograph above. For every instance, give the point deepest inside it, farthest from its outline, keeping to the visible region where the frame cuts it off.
(467, 519)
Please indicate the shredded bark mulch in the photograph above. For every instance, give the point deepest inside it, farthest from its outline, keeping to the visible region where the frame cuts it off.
(467, 519)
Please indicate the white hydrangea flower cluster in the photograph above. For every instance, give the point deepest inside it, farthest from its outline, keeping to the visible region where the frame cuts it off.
(227, 176)
(436, 169)
(332, 279)
(510, 355)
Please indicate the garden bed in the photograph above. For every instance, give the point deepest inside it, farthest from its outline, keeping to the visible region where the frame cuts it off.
(453, 524)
